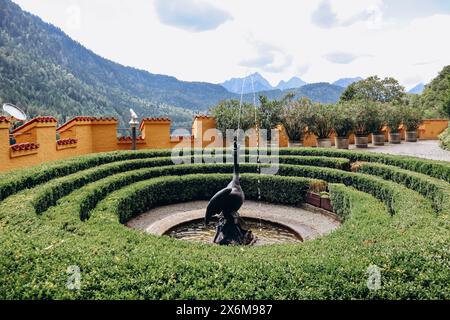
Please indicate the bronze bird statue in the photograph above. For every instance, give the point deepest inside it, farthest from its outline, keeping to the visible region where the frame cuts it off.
(225, 204)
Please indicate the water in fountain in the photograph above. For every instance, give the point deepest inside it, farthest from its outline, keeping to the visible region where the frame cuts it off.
(265, 232)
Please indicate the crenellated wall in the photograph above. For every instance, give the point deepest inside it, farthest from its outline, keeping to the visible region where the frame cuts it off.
(36, 140)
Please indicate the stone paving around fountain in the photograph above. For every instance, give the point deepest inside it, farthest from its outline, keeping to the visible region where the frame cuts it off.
(309, 224)
(428, 149)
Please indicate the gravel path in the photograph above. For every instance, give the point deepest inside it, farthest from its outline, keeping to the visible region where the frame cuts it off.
(428, 149)
(305, 223)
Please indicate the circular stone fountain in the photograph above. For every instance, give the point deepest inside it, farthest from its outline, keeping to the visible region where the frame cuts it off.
(270, 223)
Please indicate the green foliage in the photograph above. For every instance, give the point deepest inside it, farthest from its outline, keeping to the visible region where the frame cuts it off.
(269, 113)
(444, 138)
(293, 118)
(436, 190)
(342, 120)
(141, 169)
(368, 116)
(376, 90)
(319, 120)
(145, 195)
(435, 99)
(412, 117)
(436, 169)
(227, 115)
(120, 263)
(394, 118)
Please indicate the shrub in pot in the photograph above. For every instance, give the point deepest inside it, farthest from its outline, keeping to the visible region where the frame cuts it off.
(294, 120)
(378, 123)
(342, 124)
(318, 119)
(364, 121)
(412, 118)
(393, 122)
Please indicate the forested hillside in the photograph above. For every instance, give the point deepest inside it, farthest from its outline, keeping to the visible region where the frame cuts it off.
(47, 73)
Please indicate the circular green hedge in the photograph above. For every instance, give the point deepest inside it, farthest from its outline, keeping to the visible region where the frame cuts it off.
(71, 213)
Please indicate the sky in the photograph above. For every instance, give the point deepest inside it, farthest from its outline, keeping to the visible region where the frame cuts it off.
(214, 40)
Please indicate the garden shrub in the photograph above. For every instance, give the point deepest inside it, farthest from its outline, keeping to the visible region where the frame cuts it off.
(142, 196)
(436, 190)
(49, 194)
(436, 169)
(410, 247)
(444, 139)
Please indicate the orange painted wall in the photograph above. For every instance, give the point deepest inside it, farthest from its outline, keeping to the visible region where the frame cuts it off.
(92, 135)
(431, 129)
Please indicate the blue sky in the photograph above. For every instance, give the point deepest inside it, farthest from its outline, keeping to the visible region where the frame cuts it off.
(409, 9)
(213, 40)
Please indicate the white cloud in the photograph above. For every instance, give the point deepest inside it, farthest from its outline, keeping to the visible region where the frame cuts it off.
(191, 15)
(131, 33)
(341, 57)
(268, 58)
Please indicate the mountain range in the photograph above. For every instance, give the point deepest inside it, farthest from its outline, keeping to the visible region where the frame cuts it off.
(257, 83)
(47, 73)
(417, 89)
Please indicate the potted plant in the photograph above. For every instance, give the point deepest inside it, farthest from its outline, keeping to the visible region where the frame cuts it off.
(363, 118)
(318, 118)
(378, 123)
(293, 120)
(342, 124)
(412, 118)
(393, 122)
(269, 115)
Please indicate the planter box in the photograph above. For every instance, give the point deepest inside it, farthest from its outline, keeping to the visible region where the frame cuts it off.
(313, 199)
(395, 138)
(362, 142)
(411, 136)
(325, 203)
(378, 139)
(295, 144)
(324, 143)
(341, 143)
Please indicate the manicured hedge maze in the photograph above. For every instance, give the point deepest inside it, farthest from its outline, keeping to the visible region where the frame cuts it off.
(71, 213)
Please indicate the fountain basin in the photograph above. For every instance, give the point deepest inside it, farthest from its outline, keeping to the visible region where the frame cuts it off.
(304, 222)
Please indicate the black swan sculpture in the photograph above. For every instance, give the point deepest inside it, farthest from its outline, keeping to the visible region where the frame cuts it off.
(225, 204)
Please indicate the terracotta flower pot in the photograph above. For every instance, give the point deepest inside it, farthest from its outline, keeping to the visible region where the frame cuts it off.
(378, 139)
(324, 143)
(411, 136)
(395, 138)
(361, 141)
(341, 142)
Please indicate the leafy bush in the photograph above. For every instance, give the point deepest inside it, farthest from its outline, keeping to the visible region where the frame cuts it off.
(367, 117)
(412, 118)
(342, 121)
(319, 120)
(227, 115)
(436, 169)
(444, 139)
(49, 194)
(293, 118)
(142, 196)
(395, 117)
(116, 262)
(436, 190)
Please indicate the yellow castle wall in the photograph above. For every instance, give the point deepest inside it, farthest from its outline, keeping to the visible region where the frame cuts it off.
(100, 135)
